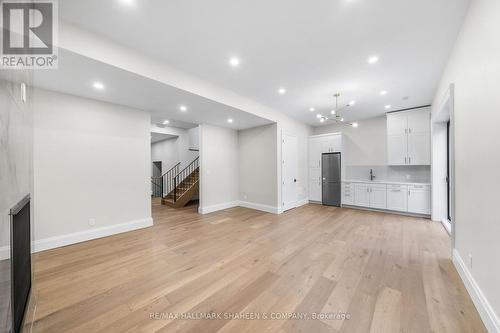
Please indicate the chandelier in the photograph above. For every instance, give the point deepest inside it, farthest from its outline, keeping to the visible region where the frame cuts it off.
(337, 113)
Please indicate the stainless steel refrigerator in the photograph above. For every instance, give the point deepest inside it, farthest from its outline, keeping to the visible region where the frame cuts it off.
(331, 176)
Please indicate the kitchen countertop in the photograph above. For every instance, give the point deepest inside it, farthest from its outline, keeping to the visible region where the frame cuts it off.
(383, 182)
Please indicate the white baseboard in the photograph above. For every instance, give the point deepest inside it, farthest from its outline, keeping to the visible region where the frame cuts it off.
(215, 208)
(488, 315)
(447, 226)
(261, 207)
(82, 236)
(302, 202)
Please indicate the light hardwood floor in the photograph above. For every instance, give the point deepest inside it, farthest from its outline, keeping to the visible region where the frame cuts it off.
(387, 272)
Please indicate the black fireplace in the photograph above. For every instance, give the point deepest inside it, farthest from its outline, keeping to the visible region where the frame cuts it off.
(20, 231)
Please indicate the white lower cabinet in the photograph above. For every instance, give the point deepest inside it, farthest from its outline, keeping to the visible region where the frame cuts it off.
(378, 196)
(419, 199)
(411, 198)
(361, 195)
(348, 193)
(397, 197)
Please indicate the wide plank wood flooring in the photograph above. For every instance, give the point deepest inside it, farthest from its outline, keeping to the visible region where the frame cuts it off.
(358, 271)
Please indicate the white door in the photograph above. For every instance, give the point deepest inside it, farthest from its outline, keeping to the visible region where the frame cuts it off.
(419, 149)
(378, 196)
(361, 195)
(289, 171)
(397, 148)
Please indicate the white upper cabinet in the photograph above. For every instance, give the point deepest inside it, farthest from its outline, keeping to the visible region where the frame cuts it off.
(419, 122)
(397, 149)
(419, 149)
(397, 123)
(408, 138)
(315, 150)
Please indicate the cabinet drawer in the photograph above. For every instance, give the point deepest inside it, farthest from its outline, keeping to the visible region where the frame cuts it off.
(397, 196)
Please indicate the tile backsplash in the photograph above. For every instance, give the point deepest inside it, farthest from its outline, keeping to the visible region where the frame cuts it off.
(415, 173)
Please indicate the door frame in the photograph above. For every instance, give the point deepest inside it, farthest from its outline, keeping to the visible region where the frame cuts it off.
(282, 181)
(443, 114)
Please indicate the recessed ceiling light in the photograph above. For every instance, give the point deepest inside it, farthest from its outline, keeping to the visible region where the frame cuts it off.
(281, 91)
(166, 122)
(230, 120)
(342, 119)
(98, 85)
(333, 112)
(319, 116)
(373, 59)
(388, 107)
(351, 103)
(355, 125)
(234, 62)
(128, 2)
(183, 108)
(322, 120)
(312, 109)
(383, 92)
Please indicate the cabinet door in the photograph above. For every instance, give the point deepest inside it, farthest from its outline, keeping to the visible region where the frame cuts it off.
(419, 149)
(315, 184)
(419, 200)
(378, 196)
(419, 121)
(335, 143)
(361, 195)
(348, 194)
(397, 196)
(397, 148)
(315, 146)
(326, 145)
(397, 124)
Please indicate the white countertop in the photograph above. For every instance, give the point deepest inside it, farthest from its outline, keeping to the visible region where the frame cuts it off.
(383, 182)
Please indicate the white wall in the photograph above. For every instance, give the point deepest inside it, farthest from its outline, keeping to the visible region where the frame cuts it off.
(16, 150)
(174, 150)
(474, 68)
(219, 168)
(167, 152)
(91, 160)
(366, 145)
(257, 148)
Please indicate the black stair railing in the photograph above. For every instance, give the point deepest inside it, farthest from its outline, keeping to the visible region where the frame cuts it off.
(164, 184)
(185, 177)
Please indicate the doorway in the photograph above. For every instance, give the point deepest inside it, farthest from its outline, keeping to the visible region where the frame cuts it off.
(443, 152)
(289, 171)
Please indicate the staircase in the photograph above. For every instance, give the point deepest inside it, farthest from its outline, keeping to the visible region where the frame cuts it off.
(184, 186)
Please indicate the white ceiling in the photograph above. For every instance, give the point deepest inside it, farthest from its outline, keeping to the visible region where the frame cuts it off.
(312, 48)
(77, 73)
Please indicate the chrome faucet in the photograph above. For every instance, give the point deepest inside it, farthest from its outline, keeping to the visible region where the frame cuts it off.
(372, 177)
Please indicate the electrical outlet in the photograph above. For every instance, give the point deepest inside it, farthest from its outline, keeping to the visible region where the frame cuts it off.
(91, 222)
(470, 260)
(245, 196)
